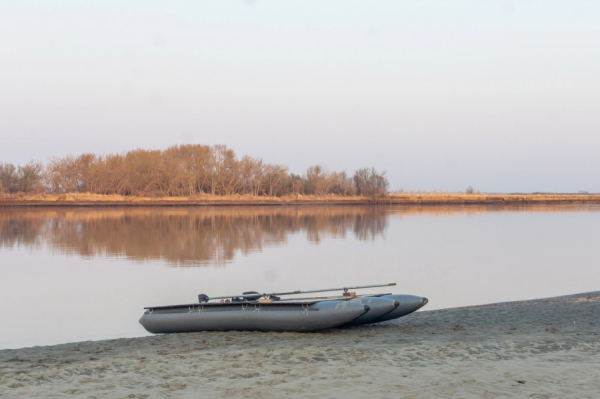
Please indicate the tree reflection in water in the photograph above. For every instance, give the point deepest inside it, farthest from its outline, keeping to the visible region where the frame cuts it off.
(198, 236)
(182, 236)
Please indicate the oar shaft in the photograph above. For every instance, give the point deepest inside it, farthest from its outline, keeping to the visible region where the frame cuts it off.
(356, 287)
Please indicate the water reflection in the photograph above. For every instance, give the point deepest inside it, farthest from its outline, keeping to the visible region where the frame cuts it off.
(207, 235)
(182, 236)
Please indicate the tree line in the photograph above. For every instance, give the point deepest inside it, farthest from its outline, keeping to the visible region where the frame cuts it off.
(183, 170)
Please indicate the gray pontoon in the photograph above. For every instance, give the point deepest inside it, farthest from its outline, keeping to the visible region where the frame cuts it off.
(378, 307)
(406, 305)
(252, 315)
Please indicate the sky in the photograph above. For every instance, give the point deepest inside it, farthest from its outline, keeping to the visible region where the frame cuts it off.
(502, 96)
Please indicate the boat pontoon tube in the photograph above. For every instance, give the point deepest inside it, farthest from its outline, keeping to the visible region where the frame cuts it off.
(379, 307)
(407, 304)
(251, 316)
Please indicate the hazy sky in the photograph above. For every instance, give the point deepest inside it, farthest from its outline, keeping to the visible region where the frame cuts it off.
(503, 96)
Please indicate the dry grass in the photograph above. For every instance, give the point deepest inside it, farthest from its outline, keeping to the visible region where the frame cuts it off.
(399, 199)
(453, 198)
(206, 199)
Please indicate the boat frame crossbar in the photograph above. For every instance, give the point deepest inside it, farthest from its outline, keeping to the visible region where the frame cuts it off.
(267, 295)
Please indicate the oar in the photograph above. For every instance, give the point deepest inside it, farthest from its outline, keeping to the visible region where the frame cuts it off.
(356, 287)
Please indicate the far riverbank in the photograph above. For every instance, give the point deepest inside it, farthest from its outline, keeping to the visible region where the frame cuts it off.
(212, 200)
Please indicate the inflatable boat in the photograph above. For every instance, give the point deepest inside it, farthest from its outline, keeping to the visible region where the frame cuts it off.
(253, 311)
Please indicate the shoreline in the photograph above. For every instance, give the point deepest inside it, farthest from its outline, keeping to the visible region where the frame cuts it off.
(540, 348)
(467, 307)
(435, 199)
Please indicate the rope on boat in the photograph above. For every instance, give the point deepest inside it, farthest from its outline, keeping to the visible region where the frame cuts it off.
(305, 309)
(257, 308)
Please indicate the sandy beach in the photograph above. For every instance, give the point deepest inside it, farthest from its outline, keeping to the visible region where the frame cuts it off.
(546, 348)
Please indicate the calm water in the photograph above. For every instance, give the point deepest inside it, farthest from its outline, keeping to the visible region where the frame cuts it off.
(82, 274)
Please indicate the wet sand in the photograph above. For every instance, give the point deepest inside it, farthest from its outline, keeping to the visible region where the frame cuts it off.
(547, 348)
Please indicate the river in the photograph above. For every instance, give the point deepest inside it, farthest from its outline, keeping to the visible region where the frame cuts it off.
(75, 274)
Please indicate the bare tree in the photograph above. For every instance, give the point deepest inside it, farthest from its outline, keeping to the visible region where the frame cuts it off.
(86, 164)
(370, 183)
(275, 176)
(341, 184)
(225, 175)
(8, 177)
(252, 173)
(115, 179)
(295, 184)
(30, 177)
(317, 181)
(59, 174)
(143, 170)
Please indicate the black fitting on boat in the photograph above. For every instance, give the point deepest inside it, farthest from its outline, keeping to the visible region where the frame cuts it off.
(253, 297)
(202, 298)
